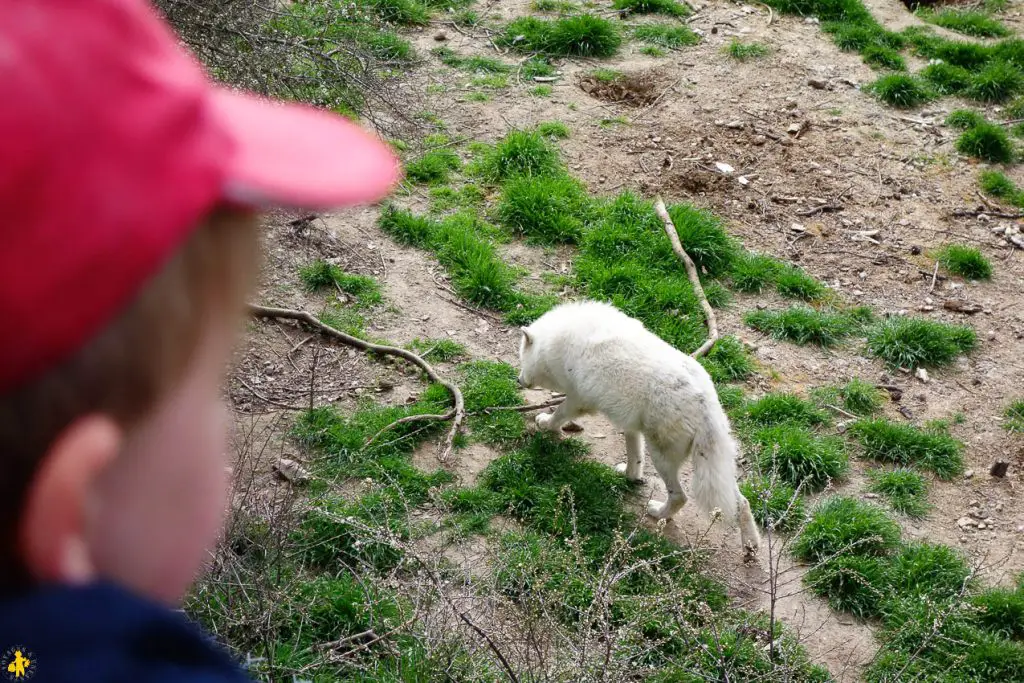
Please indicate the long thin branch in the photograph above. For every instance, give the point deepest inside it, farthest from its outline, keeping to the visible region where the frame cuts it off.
(691, 272)
(459, 413)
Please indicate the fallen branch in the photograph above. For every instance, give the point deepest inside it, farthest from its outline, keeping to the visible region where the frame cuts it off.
(974, 213)
(691, 272)
(823, 208)
(525, 409)
(457, 415)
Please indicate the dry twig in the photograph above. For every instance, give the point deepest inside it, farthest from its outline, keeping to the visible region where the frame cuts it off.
(691, 272)
(457, 415)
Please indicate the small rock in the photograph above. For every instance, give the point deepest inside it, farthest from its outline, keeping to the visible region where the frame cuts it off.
(963, 539)
(999, 507)
(968, 474)
(982, 525)
(736, 125)
(742, 180)
(966, 523)
(440, 36)
(759, 140)
(871, 495)
(973, 504)
(817, 83)
(922, 375)
(915, 250)
(724, 167)
(290, 471)
(794, 128)
(998, 470)
(811, 20)
(991, 335)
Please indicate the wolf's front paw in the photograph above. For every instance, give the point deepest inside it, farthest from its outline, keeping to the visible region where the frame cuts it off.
(658, 510)
(632, 475)
(543, 420)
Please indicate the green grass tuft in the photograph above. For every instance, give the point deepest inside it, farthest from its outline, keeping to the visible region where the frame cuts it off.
(583, 35)
(967, 262)
(988, 142)
(777, 409)
(742, 52)
(321, 275)
(906, 445)
(712, 249)
(443, 350)
(947, 79)
(883, 57)
(1013, 417)
(928, 571)
(804, 325)
(964, 119)
(1001, 611)
(553, 129)
(667, 7)
(846, 526)
(997, 184)
(800, 458)
(551, 210)
(752, 273)
(537, 66)
(774, 504)
(728, 361)
(433, 167)
(901, 90)
(856, 396)
(851, 583)
(967, 22)
(520, 153)
(488, 384)
(795, 283)
(403, 12)
(908, 342)
(997, 82)
(905, 490)
(665, 35)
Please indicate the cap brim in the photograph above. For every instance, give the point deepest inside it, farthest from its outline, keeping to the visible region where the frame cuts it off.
(295, 156)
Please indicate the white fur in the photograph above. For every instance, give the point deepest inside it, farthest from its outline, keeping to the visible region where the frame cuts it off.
(607, 362)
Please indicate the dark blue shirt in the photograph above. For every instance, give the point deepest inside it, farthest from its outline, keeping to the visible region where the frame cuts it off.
(104, 634)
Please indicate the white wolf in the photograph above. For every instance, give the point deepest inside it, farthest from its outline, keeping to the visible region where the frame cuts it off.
(607, 362)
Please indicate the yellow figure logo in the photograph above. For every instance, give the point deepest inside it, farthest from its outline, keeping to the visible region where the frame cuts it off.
(20, 666)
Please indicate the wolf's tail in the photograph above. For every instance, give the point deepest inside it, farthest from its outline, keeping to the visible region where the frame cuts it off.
(713, 453)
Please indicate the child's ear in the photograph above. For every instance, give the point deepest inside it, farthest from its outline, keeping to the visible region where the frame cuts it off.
(526, 335)
(53, 521)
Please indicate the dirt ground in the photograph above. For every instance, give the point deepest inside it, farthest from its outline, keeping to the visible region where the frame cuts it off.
(874, 168)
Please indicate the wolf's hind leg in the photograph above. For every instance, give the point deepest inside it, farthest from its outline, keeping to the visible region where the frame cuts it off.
(633, 468)
(668, 470)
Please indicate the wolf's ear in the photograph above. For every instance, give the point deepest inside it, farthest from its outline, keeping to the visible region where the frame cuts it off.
(526, 335)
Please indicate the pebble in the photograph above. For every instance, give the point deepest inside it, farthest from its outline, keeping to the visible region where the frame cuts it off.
(991, 335)
(440, 36)
(999, 507)
(968, 474)
(982, 525)
(966, 523)
(817, 83)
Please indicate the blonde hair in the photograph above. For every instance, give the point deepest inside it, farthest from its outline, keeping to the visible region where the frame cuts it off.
(125, 369)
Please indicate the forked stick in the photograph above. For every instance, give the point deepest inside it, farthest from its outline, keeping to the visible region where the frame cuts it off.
(691, 272)
(457, 415)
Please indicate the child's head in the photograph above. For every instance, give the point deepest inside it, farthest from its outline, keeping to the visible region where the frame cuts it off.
(128, 243)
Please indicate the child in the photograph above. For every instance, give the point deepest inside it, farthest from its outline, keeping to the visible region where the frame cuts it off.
(128, 243)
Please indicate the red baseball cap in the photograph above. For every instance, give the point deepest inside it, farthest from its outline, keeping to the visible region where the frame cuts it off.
(114, 144)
